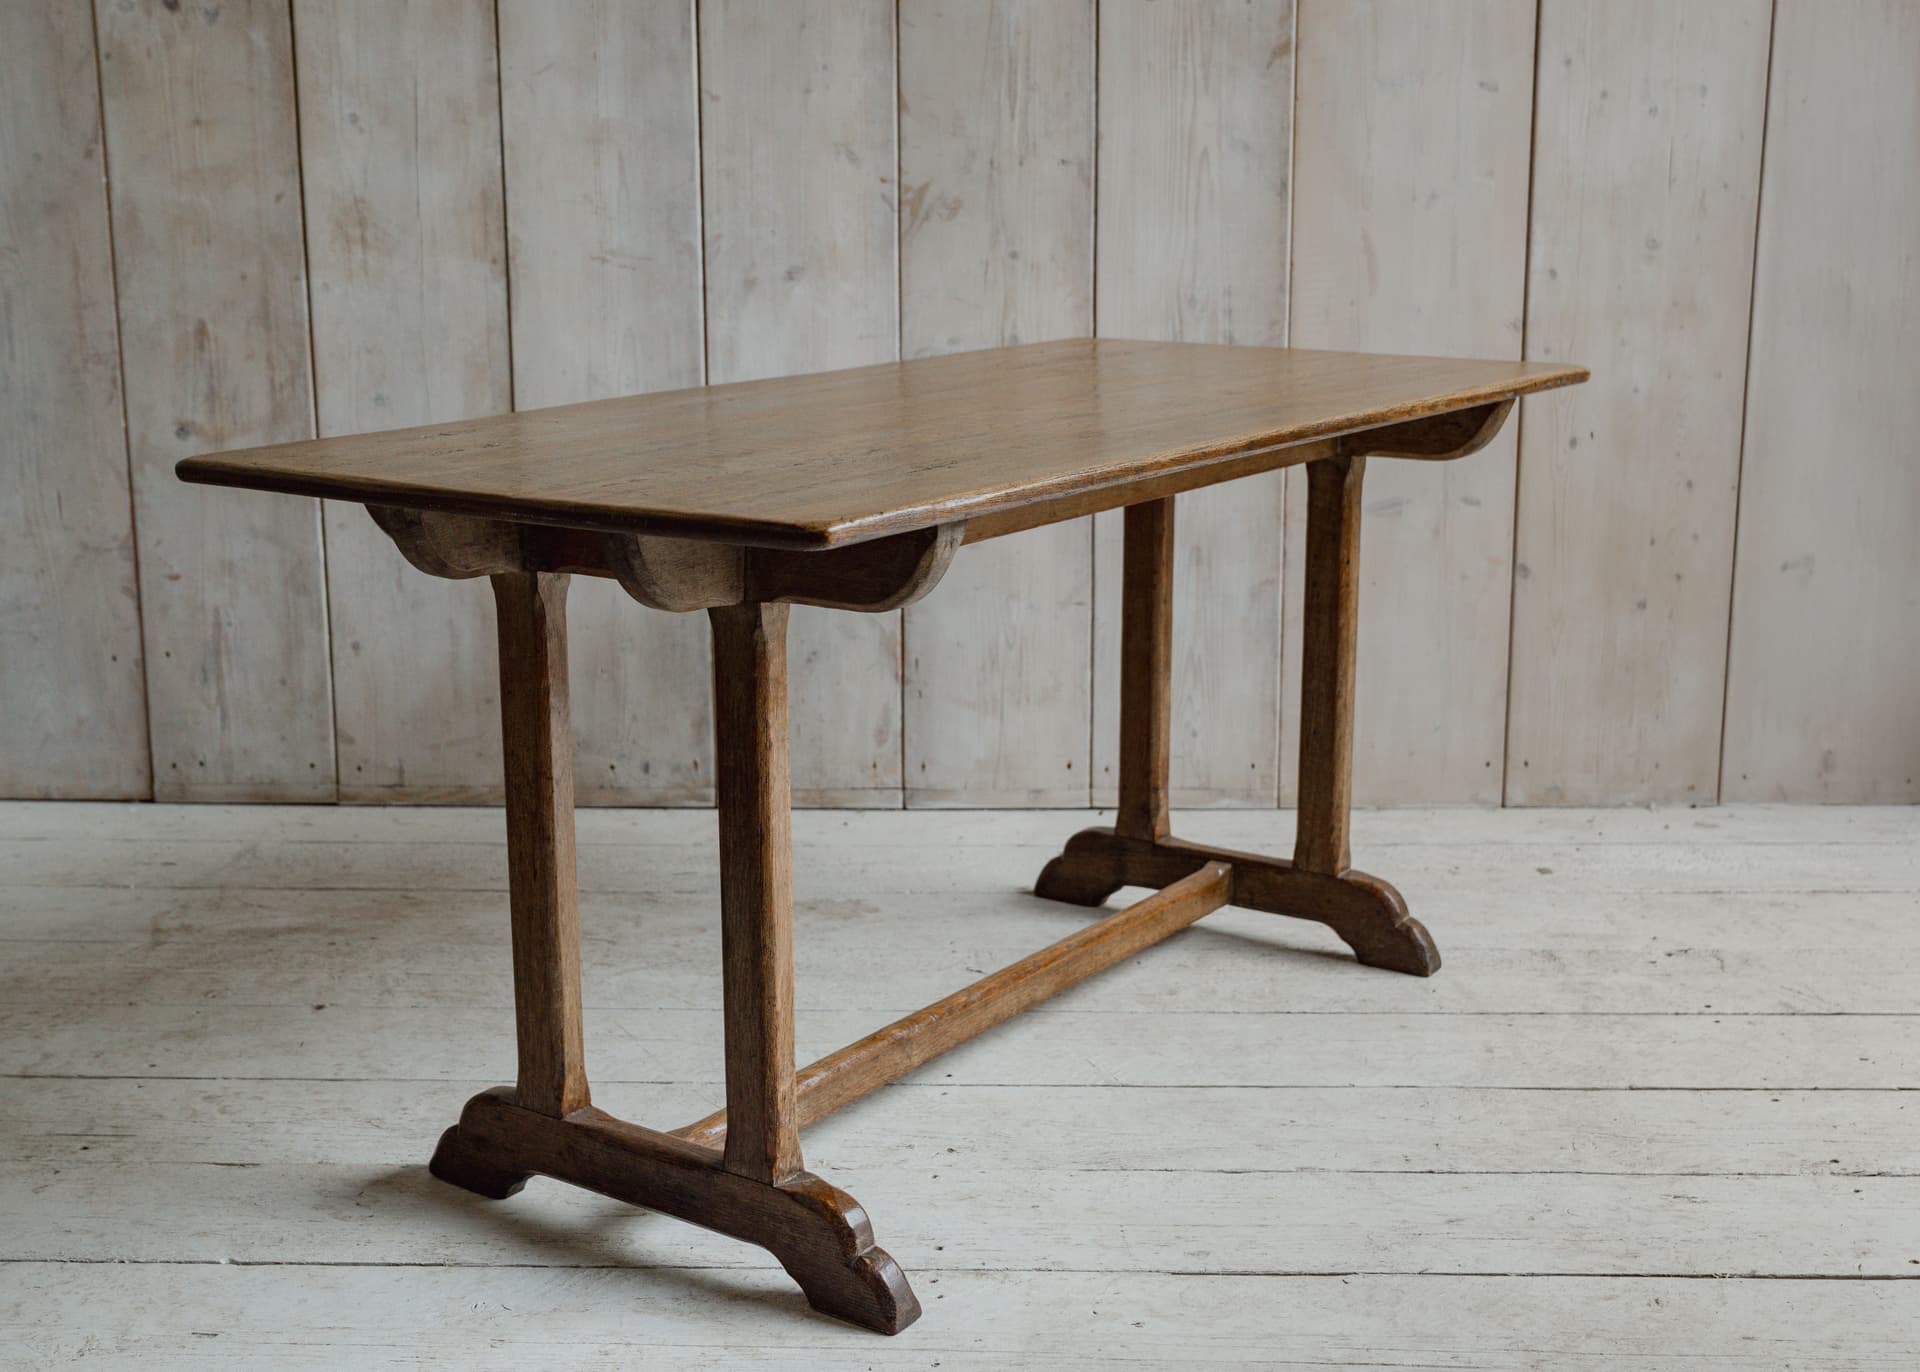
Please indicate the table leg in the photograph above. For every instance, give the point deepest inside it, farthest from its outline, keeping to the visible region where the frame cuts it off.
(1329, 622)
(536, 733)
(756, 887)
(754, 1189)
(1318, 884)
(1146, 669)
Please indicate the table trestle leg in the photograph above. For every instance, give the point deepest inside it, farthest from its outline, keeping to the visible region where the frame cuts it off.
(1138, 850)
(753, 1189)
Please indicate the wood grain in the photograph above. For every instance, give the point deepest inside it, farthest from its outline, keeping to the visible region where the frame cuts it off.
(73, 713)
(205, 187)
(1640, 261)
(818, 1232)
(1368, 914)
(1329, 624)
(1147, 595)
(400, 166)
(814, 462)
(756, 887)
(482, 1317)
(537, 739)
(1819, 705)
(1345, 1122)
(1196, 137)
(799, 163)
(601, 139)
(1410, 223)
(864, 1066)
(996, 247)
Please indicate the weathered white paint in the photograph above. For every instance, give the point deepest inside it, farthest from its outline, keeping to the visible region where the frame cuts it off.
(603, 230)
(400, 168)
(1418, 152)
(1646, 173)
(204, 178)
(1196, 137)
(1455, 1176)
(1826, 598)
(1410, 236)
(996, 247)
(73, 709)
(799, 170)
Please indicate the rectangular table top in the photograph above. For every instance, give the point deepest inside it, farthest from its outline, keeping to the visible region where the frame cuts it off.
(838, 457)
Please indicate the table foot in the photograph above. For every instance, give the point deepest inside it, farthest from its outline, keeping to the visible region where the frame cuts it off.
(459, 1162)
(819, 1233)
(1366, 912)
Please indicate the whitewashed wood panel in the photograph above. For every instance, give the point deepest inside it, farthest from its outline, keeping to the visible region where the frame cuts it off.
(73, 711)
(996, 247)
(799, 165)
(205, 183)
(1410, 224)
(1646, 175)
(1196, 131)
(1504, 841)
(52, 1121)
(610, 1311)
(1764, 1161)
(1826, 602)
(646, 950)
(603, 227)
(400, 165)
(1689, 1051)
(1194, 1219)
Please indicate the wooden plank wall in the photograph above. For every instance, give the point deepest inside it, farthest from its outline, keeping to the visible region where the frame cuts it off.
(73, 711)
(203, 175)
(996, 247)
(260, 219)
(1196, 127)
(400, 164)
(1826, 588)
(602, 152)
(1410, 223)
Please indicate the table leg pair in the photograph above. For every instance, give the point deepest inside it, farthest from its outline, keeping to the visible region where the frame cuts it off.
(739, 1171)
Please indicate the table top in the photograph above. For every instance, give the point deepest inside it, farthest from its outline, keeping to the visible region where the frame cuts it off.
(839, 457)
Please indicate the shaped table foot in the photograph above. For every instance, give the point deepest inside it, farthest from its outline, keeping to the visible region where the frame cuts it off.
(817, 1231)
(1366, 912)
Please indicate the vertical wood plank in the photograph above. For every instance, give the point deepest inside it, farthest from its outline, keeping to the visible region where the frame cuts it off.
(603, 228)
(1196, 119)
(1646, 173)
(1410, 222)
(799, 165)
(204, 170)
(1826, 599)
(400, 165)
(996, 247)
(73, 718)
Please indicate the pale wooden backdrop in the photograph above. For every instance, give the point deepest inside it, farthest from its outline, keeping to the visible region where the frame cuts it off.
(230, 221)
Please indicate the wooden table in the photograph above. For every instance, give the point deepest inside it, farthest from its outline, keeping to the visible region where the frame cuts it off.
(854, 490)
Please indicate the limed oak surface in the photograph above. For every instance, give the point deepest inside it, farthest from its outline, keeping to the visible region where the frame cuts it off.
(833, 458)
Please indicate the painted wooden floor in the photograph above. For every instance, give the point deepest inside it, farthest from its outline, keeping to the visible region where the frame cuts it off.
(1661, 1108)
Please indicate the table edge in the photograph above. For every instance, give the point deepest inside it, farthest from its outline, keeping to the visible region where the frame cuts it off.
(214, 470)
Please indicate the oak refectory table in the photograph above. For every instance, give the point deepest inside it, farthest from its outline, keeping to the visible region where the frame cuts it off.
(854, 490)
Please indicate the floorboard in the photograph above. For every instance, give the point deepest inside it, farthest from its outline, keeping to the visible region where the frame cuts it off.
(1658, 1111)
